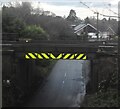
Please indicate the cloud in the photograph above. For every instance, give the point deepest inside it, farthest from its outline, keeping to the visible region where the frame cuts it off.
(82, 12)
(62, 7)
(94, 3)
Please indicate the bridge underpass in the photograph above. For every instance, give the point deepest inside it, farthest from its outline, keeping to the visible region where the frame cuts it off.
(18, 51)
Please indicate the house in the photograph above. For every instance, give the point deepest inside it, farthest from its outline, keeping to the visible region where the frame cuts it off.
(84, 29)
(90, 31)
(108, 33)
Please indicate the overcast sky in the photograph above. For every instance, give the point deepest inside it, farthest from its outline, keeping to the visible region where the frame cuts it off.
(62, 7)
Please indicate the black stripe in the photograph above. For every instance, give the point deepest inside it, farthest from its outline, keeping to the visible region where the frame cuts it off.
(43, 56)
(80, 54)
(68, 56)
(83, 56)
(29, 56)
(77, 55)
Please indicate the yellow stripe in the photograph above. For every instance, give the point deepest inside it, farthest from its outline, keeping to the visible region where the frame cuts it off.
(75, 54)
(39, 56)
(27, 57)
(66, 56)
(72, 57)
(79, 57)
(85, 58)
(32, 56)
(60, 56)
(44, 54)
(52, 56)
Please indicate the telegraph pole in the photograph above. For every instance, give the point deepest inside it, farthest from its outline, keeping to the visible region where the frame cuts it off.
(97, 24)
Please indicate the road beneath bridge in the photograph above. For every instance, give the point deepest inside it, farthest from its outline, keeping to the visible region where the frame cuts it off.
(65, 86)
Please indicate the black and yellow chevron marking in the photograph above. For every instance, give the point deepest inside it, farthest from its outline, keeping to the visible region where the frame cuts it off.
(52, 56)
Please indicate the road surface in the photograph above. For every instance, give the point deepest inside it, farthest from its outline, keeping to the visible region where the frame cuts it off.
(65, 86)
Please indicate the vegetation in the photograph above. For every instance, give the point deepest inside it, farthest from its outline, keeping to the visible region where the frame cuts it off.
(28, 22)
(104, 99)
(33, 32)
(105, 91)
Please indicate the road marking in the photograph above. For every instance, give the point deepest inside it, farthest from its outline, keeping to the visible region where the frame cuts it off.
(63, 82)
(65, 74)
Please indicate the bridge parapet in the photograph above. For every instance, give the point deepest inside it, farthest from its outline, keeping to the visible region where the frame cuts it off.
(90, 49)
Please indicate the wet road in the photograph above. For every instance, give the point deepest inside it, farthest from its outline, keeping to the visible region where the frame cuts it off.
(65, 86)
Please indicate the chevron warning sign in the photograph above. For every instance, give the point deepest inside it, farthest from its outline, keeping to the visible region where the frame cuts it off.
(63, 56)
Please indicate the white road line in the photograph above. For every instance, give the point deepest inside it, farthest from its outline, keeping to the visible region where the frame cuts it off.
(63, 82)
(65, 74)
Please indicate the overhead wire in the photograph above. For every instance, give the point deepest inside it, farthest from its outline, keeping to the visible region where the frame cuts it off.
(111, 10)
(104, 15)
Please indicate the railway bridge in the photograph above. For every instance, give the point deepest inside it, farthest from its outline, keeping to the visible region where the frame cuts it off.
(26, 53)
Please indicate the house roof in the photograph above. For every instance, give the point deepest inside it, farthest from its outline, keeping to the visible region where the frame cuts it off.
(82, 26)
(111, 30)
(79, 26)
